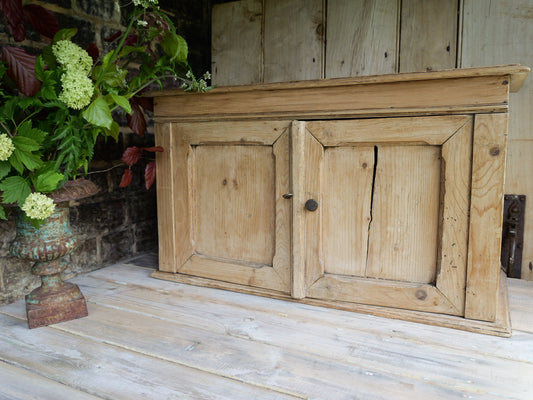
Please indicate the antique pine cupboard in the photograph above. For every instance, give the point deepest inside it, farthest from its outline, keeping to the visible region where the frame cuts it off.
(378, 194)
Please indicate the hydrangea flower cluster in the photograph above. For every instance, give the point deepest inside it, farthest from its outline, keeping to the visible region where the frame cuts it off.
(145, 3)
(77, 86)
(6, 147)
(38, 206)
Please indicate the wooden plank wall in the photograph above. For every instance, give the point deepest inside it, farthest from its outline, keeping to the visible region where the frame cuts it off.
(257, 41)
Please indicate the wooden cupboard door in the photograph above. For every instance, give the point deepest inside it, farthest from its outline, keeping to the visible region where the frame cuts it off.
(231, 222)
(391, 228)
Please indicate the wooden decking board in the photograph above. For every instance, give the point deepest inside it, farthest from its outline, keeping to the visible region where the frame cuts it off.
(168, 340)
(305, 314)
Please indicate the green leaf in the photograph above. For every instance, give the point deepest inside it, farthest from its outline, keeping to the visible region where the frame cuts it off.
(47, 182)
(25, 144)
(8, 110)
(48, 57)
(2, 213)
(116, 77)
(131, 49)
(30, 161)
(15, 190)
(5, 168)
(122, 102)
(26, 130)
(65, 34)
(98, 113)
(114, 131)
(39, 68)
(175, 46)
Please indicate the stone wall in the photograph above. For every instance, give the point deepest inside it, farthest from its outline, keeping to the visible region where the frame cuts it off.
(116, 224)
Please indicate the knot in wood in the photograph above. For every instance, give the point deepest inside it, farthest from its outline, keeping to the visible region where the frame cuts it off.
(495, 151)
(421, 294)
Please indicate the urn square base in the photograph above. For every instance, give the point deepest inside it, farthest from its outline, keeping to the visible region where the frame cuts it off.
(55, 312)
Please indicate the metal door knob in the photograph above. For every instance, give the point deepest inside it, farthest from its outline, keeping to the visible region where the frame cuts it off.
(311, 205)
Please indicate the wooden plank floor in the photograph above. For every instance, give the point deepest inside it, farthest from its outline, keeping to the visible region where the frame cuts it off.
(151, 339)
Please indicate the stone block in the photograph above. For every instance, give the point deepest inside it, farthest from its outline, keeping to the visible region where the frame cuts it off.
(17, 279)
(99, 8)
(86, 33)
(117, 246)
(96, 217)
(146, 236)
(83, 259)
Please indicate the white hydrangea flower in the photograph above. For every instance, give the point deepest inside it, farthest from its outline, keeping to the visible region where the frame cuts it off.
(6, 147)
(142, 23)
(38, 206)
(145, 3)
(71, 56)
(78, 89)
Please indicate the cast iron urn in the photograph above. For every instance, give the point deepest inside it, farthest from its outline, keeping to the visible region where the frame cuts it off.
(54, 301)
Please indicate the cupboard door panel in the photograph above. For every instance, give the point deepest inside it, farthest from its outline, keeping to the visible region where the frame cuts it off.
(235, 205)
(394, 228)
(405, 211)
(240, 228)
(347, 214)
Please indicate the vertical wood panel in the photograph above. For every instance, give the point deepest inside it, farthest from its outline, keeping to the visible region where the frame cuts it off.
(165, 197)
(488, 170)
(455, 208)
(428, 35)
(313, 184)
(405, 212)
(347, 198)
(236, 42)
(362, 37)
(294, 40)
(501, 32)
(235, 188)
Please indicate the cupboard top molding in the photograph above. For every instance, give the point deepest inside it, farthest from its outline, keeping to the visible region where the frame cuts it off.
(471, 90)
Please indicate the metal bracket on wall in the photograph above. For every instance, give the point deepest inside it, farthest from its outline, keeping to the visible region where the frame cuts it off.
(514, 210)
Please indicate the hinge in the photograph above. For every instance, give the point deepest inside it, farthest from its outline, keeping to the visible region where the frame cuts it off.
(514, 211)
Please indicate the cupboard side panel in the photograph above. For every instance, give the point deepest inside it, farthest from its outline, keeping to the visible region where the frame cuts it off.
(165, 198)
(488, 171)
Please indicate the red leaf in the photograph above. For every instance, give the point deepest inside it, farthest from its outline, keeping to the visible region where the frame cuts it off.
(132, 155)
(149, 175)
(126, 178)
(131, 40)
(12, 9)
(145, 102)
(41, 19)
(113, 37)
(21, 68)
(93, 52)
(136, 120)
(153, 149)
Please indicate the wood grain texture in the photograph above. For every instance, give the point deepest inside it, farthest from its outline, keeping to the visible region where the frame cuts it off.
(454, 219)
(19, 384)
(314, 185)
(236, 38)
(362, 37)
(433, 130)
(518, 180)
(495, 31)
(405, 212)
(250, 133)
(297, 166)
(337, 100)
(347, 208)
(293, 40)
(428, 35)
(260, 343)
(486, 208)
(165, 198)
(235, 202)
